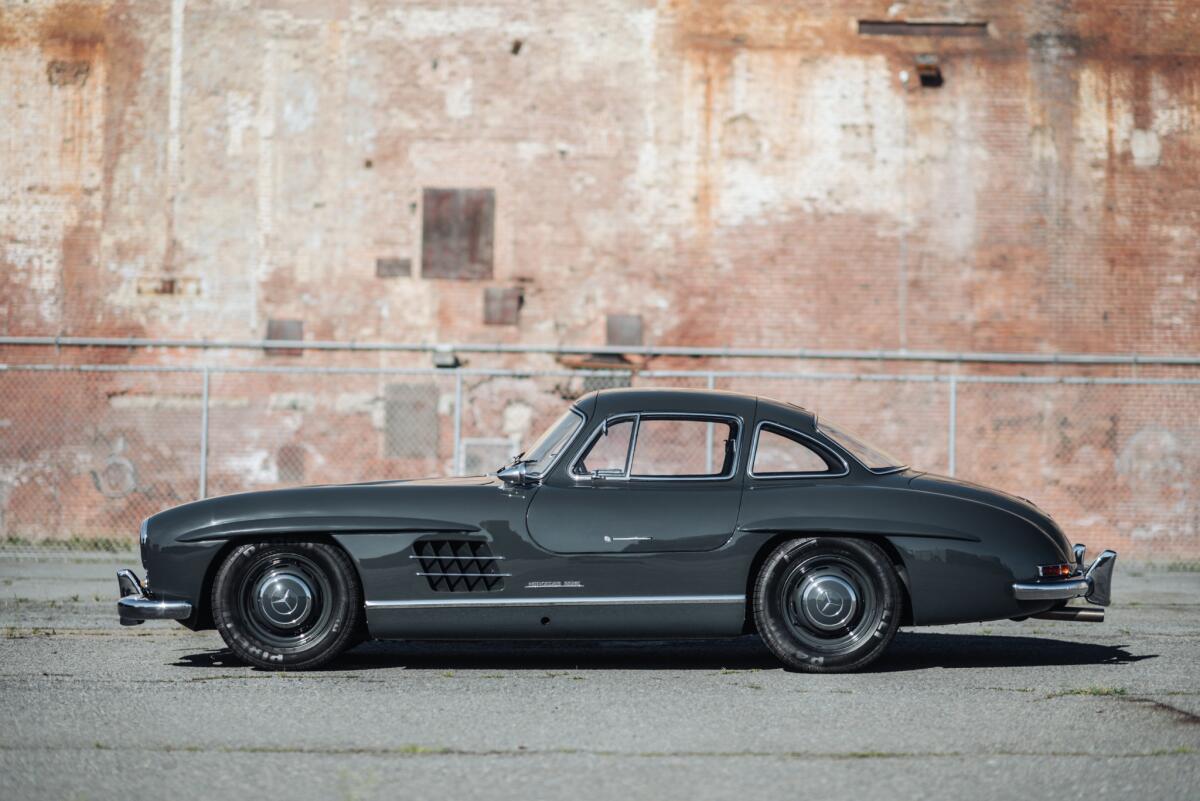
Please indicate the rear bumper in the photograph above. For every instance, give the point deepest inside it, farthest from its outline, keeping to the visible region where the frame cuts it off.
(135, 604)
(1094, 583)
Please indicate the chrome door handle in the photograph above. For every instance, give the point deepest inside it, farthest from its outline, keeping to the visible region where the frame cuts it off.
(626, 539)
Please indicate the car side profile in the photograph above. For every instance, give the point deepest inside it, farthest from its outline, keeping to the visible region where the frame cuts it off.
(640, 513)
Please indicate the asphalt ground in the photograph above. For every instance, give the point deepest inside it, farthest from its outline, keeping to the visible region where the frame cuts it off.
(1040, 709)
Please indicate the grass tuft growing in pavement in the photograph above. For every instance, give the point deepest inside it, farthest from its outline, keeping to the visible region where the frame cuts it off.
(1097, 691)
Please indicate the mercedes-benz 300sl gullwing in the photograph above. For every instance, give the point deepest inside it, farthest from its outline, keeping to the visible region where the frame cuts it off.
(638, 514)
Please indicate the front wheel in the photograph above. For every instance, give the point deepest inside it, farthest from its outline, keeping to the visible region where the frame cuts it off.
(825, 605)
(287, 605)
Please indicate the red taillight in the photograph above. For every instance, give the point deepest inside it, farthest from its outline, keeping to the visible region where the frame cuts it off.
(1055, 571)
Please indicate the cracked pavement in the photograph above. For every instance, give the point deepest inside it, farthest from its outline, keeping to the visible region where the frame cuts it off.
(993, 710)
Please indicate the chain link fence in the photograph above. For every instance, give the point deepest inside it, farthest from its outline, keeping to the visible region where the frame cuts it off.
(88, 451)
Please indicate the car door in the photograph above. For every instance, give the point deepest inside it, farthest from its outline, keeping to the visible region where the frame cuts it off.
(649, 482)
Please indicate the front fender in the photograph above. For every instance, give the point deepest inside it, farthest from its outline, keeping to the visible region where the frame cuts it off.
(184, 544)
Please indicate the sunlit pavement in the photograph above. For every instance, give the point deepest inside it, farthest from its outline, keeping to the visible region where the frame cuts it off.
(994, 710)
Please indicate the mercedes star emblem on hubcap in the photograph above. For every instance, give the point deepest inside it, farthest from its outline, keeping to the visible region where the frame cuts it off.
(284, 598)
(825, 601)
(284, 603)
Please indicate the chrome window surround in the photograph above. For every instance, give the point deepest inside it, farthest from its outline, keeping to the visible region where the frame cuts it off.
(735, 420)
(880, 471)
(558, 456)
(597, 432)
(845, 471)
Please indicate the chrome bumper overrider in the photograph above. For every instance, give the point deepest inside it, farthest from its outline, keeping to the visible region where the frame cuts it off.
(1094, 583)
(135, 606)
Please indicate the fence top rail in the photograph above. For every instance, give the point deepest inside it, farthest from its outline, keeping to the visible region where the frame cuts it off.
(584, 350)
(714, 375)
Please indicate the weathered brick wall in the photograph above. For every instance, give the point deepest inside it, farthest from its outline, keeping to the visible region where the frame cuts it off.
(735, 173)
(760, 174)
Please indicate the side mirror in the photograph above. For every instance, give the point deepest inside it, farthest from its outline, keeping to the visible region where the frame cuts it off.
(515, 474)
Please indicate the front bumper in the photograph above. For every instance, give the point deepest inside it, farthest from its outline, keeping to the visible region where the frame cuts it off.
(136, 606)
(1094, 582)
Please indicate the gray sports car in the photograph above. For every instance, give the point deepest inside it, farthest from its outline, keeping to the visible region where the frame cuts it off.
(639, 513)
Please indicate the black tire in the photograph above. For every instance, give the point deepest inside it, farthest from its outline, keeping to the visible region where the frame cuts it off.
(825, 605)
(287, 604)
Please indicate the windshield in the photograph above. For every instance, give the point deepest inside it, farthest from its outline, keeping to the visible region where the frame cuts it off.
(551, 443)
(872, 457)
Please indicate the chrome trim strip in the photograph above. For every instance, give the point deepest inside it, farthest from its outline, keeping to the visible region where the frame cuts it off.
(631, 600)
(455, 558)
(467, 575)
(771, 476)
(139, 608)
(1051, 591)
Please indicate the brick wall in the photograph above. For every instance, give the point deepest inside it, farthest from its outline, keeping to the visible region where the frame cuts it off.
(736, 173)
(758, 174)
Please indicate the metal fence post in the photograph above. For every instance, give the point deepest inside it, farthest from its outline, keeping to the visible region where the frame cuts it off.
(952, 435)
(458, 398)
(204, 434)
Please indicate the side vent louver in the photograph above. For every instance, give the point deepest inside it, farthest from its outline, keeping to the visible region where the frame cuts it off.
(459, 565)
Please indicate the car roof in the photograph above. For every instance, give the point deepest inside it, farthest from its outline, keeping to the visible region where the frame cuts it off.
(704, 401)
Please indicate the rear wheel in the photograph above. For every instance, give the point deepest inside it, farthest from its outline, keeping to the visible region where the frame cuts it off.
(825, 605)
(287, 605)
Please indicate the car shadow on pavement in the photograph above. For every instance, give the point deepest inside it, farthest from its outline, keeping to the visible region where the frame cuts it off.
(919, 650)
(909, 651)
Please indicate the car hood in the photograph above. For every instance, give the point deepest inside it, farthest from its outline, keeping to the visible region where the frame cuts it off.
(1021, 507)
(433, 504)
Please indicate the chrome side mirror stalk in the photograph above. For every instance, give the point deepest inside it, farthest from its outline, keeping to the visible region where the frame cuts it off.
(516, 474)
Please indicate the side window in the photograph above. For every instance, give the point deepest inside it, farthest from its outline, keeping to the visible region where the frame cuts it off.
(608, 452)
(777, 453)
(684, 448)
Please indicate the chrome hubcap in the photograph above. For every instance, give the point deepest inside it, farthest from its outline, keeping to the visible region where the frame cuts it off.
(284, 598)
(826, 602)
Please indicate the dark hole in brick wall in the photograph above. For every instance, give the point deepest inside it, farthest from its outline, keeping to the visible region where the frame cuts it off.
(456, 233)
(393, 268)
(290, 464)
(289, 330)
(867, 27)
(516, 47)
(502, 305)
(930, 75)
(411, 421)
(68, 73)
(624, 329)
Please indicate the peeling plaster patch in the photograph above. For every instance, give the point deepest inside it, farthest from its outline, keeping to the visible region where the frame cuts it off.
(430, 22)
(38, 270)
(239, 118)
(1145, 147)
(255, 467)
(518, 418)
(458, 99)
(367, 403)
(299, 104)
(1152, 456)
(291, 401)
(528, 151)
(174, 402)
